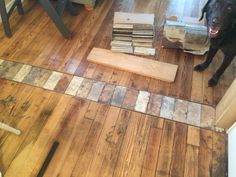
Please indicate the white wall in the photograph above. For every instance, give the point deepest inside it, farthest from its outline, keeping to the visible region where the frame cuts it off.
(232, 151)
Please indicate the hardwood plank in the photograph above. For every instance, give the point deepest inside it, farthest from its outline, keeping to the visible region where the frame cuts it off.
(115, 142)
(225, 116)
(205, 153)
(179, 150)
(193, 136)
(138, 65)
(103, 145)
(86, 155)
(124, 159)
(152, 152)
(219, 155)
(165, 154)
(68, 131)
(191, 161)
(133, 18)
(142, 101)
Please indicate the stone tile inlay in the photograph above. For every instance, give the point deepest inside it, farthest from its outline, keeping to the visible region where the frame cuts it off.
(53, 80)
(96, 90)
(107, 93)
(74, 85)
(118, 96)
(128, 98)
(24, 71)
(142, 101)
(181, 110)
(194, 114)
(167, 107)
(84, 88)
(154, 105)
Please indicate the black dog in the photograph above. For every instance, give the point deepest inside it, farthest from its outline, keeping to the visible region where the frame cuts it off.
(221, 23)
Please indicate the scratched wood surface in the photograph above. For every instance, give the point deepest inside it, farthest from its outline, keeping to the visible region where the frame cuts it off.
(98, 140)
(36, 41)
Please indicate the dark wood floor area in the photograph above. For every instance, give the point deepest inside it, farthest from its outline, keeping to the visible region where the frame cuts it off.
(36, 41)
(97, 140)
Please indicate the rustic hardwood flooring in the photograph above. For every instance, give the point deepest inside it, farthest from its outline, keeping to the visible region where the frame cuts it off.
(97, 139)
(36, 41)
(100, 140)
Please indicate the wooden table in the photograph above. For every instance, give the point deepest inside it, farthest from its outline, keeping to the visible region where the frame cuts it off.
(54, 13)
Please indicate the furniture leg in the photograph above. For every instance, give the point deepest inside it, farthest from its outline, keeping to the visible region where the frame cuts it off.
(52, 13)
(5, 20)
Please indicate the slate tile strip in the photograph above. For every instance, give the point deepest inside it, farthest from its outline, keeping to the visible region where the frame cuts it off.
(181, 110)
(96, 90)
(140, 101)
(37, 77)
(107, 93)
(194, 114)
(5, 66)
(53, 80)
(167, 107)
(154, 105)
(74, 85)
(63, 83)
(207, 116)
(130, 99)
(84, 88)
(118, 96)
(11, 72)
(24, 71)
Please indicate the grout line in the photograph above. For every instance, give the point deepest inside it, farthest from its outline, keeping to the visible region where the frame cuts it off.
(140, 100)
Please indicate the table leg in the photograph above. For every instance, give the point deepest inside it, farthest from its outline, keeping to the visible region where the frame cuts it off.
(47, 6)
(5, 20)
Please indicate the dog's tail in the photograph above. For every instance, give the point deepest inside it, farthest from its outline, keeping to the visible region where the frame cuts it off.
(204, 9)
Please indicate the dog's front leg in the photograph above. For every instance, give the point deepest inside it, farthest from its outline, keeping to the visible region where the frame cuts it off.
(201, 67)
(226, 62)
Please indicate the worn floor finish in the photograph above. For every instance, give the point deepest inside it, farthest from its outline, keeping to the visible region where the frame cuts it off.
(100, 140)
(36, 41)
(97, 139)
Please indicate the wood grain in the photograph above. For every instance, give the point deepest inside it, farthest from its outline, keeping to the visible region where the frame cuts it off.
(138, 65)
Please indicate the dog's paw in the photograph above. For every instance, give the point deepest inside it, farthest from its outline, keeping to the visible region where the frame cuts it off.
(212, 82)
(200, 67)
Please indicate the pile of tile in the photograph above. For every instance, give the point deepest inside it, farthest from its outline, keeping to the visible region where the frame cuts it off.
(133, 33)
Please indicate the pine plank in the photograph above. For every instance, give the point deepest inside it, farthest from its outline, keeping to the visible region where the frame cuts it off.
(179, 150)
(165, 154)
(133, 18)
(191, 161)
(138, 65)
(205, 153)
(152, 152)
(86, 155)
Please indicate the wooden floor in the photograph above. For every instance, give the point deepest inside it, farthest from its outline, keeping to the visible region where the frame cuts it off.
(97, 139)
(100, 140)
(36, 41)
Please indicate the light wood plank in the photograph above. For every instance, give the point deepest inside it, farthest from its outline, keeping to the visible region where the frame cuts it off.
(225, 110)
(138, 65)
(133, 18)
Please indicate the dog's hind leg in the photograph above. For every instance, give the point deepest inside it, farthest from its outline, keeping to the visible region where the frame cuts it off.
(201, 67)
(214, 80)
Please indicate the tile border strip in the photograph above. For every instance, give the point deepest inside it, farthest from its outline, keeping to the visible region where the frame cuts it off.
(188, 112)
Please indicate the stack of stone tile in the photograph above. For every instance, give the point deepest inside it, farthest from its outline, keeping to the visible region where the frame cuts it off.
(133, 33)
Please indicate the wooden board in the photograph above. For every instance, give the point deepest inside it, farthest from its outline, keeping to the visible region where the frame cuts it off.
(158, 70)
(225, 110)
(133, 18)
